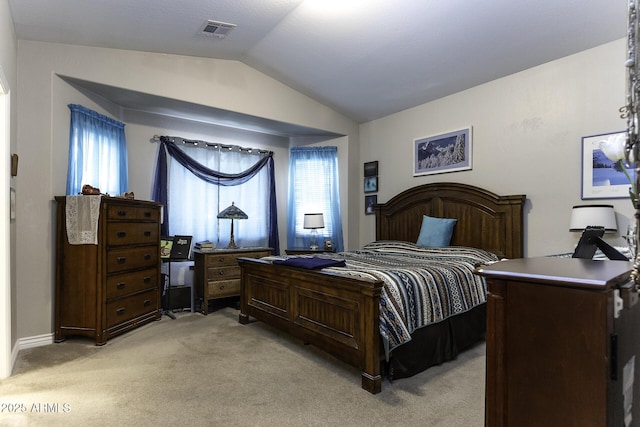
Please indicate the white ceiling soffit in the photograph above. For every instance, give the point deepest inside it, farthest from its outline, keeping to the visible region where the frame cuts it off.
(364, 58)
(132, 101)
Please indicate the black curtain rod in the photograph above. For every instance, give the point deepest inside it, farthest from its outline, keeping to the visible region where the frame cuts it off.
(213, 145)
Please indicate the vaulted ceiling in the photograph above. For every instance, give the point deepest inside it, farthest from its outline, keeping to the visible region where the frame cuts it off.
(364, 58)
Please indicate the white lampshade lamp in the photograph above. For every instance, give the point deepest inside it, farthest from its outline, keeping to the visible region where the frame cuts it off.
(583, 216)
(313, 221)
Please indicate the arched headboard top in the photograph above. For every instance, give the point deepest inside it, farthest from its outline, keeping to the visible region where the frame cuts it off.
(484, 219)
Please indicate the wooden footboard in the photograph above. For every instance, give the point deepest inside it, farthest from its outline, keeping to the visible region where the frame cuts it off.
(337, 314)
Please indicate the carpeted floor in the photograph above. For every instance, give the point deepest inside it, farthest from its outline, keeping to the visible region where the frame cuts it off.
(211, 371)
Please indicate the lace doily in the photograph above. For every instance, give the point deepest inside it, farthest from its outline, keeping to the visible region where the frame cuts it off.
(82, 214)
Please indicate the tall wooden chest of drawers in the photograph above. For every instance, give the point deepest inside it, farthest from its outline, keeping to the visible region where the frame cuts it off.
(217, 273)
(106, 289)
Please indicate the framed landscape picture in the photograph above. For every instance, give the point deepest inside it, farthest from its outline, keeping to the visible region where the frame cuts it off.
(447, 152)
(371, 184)
(602, 178)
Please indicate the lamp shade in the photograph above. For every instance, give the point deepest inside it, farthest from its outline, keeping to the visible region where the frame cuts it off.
(232, 212)
(583, 216)
(313, 220)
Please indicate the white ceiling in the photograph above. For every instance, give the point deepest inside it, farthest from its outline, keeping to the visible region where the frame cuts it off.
(364, 58)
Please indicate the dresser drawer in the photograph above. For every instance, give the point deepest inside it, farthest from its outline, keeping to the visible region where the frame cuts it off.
(132, 233)
(123, 284)
(125, 309)
(223, 273)
(133, 212)
(132, 258)
(220, 288)
(213, 261)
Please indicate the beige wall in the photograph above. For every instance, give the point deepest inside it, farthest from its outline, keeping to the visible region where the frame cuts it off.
(8, 63)
(527, 131)
(43, 132)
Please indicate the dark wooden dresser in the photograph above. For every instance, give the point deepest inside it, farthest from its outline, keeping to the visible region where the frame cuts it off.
(563, 343)
(217, 273)
(106, 289)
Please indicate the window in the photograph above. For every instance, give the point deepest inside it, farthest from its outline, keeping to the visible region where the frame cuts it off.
(313, 188)
(202, 179)
(97, 152)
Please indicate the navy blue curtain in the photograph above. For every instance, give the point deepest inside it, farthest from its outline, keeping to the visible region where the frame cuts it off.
(160, 185)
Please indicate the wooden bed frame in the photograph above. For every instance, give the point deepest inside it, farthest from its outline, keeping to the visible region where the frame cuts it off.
(341, 315)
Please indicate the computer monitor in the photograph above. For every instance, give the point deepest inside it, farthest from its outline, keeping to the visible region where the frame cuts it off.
(591, 240)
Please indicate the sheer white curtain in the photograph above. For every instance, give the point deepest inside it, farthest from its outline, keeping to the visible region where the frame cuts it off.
(195, 204)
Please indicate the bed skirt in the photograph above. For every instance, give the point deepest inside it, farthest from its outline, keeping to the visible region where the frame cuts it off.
(438, 343)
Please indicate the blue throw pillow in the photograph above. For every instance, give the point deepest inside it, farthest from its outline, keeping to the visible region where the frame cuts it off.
(436, 232)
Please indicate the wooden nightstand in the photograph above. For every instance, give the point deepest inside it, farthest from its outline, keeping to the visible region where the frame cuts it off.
(306, 251)
(217, 274)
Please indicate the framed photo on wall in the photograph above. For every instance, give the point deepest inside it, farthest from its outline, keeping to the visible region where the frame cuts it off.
(603, 178)
(446, 152)
(371, 169)
(369, 202)
(370, 184)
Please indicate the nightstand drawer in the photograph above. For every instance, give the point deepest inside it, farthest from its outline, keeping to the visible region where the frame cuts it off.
(223, 273)
(223, 287)
(221, 260)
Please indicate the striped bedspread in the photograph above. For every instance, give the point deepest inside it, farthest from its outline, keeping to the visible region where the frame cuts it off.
(422, 286)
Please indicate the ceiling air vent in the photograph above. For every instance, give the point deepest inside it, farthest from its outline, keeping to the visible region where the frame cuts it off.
(218, 29)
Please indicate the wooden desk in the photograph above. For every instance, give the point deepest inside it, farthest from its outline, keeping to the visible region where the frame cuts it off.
(217, 274)
(560, 349)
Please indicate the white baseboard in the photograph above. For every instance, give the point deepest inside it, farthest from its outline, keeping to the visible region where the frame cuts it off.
(35, 341)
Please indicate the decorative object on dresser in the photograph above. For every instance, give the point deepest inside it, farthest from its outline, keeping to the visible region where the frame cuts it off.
(107, 266)
(217, 274)
(562, 347)
(232, 212)
(313, 221)
(341, 314)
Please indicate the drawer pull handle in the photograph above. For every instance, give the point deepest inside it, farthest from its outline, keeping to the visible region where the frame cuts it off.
(122, 260)
(147, 256)
(147, 233)
(147, 214)
(221, 287)
(122, 233)
(221, 272)
(221, 259)
(122, 213)
(147, 302)
(120, 285)
(147, 279)
(120, 311)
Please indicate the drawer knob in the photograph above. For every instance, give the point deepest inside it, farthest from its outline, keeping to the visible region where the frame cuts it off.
(122, 234)
(147, 214)
(147, 302)
(146, 279)
(147, 233)
(120, 311)
(147, 256)
(122, 213)
(221, 287)
(221, 272)
(121, 260)
(221, 259)
(120, 285)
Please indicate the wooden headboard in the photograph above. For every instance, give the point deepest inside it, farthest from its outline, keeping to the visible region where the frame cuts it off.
(485, 220)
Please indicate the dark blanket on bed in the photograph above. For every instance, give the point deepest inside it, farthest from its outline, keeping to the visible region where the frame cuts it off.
(310, 263)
